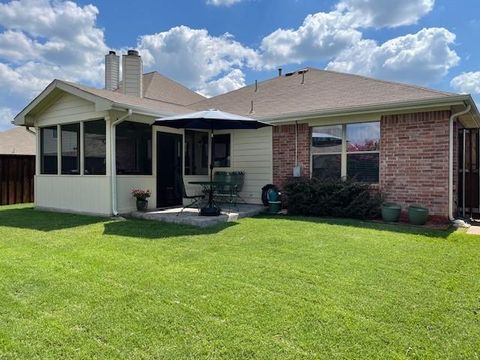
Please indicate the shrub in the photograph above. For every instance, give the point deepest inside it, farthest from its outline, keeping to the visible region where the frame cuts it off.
(337, 198)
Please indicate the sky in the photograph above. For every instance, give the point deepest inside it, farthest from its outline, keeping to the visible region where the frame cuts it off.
(215, 46)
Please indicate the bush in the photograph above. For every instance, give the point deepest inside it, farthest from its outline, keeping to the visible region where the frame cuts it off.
(337, 198)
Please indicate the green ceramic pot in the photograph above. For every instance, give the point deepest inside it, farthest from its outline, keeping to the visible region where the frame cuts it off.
(417, 215)
(391, 212)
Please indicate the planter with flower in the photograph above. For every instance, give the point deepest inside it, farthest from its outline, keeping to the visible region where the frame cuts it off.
(141, 196)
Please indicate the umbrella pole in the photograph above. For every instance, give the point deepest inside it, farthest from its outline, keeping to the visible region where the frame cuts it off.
(211, 154)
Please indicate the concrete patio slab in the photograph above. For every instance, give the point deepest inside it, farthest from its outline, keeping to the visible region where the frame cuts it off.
(190, 216)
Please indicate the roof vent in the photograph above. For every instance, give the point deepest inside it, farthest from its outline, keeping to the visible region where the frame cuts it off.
(290, 73)
(279, 72)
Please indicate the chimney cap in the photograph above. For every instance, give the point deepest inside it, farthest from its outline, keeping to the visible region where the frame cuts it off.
(132, 52)
(111, 52)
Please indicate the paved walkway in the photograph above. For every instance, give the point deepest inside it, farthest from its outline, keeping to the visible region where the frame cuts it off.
(474, 230)
(191, 217)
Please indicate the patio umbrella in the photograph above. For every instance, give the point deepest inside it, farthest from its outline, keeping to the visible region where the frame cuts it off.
(210, 120)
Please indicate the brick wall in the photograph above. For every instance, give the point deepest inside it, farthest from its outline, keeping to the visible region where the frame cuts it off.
(283, 143)
(414, 160)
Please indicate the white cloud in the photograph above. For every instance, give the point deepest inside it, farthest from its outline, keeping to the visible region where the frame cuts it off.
(222, 2)
(423, 57)
(385, 13)
(44, 40)
(6, 117)
(321, 36)
(194, 57)
(233, 80)
(467, 82)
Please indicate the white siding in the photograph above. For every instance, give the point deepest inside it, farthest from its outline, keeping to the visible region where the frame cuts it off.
(66, 109)
(73, 193)
(125, 184)
(252, 153)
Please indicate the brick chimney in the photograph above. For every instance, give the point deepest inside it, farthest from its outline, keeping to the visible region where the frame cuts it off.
(112, 71)
(132, 74)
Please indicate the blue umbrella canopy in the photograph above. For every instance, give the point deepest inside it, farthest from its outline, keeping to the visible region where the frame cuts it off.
(210, 120)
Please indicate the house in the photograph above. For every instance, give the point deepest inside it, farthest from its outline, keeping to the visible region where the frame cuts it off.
(95, 145)
(17, 166)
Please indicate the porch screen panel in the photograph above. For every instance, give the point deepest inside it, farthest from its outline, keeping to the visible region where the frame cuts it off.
(48, 150)
(133, 148)
(196, 152)
(70, 139)
(95, 140)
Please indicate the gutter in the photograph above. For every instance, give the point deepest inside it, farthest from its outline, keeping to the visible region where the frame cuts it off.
(450, 158)
(113, 162)
(392, 107)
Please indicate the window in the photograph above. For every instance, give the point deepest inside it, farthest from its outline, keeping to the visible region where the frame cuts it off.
(48, 150)
(134, 148)
(94, 147)
(327, 152)
(196, 152)
(362, 151)
(350, 150)
(221, 150)
(70, 140)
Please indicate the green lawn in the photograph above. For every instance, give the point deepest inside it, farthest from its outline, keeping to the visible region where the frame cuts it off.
(82, 287)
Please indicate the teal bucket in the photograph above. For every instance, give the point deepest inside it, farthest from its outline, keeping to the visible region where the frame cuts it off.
(274, 207)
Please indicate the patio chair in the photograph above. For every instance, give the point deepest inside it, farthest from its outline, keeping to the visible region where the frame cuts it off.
(230, 191)
(196, 199)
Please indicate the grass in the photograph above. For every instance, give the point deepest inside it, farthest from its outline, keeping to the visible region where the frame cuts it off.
(82, 287)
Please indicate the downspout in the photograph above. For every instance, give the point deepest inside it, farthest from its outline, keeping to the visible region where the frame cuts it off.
(450, 159)
(113, 162)
(30, 130)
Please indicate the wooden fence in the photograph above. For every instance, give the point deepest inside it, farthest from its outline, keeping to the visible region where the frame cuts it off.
(16, 179)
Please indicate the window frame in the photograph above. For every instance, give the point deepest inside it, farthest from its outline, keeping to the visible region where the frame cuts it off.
(344, 152)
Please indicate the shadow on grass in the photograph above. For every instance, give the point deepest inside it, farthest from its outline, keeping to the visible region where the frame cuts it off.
(366, 224)
(150, 229)
(28, 218)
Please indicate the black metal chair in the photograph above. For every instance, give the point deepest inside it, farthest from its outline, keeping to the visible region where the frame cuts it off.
(196, 199)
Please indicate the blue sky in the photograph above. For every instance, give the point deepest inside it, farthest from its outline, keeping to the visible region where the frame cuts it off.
(214, 46)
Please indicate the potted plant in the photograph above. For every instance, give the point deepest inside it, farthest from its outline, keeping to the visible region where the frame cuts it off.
(141, 196)
(417, 215)
(391, 212)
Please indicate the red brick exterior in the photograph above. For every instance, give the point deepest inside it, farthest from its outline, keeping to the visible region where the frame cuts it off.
(283, 143)
(414, 160)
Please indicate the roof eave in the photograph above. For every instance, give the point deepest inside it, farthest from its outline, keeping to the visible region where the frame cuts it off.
(141, 110)
(397, 106)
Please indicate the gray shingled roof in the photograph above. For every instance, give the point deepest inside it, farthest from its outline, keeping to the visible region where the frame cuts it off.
(321, 91)
(129, 100)
(158, 87)
(17, 141)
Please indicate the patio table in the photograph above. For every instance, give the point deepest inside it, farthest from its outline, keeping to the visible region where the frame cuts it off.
(208, 188)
